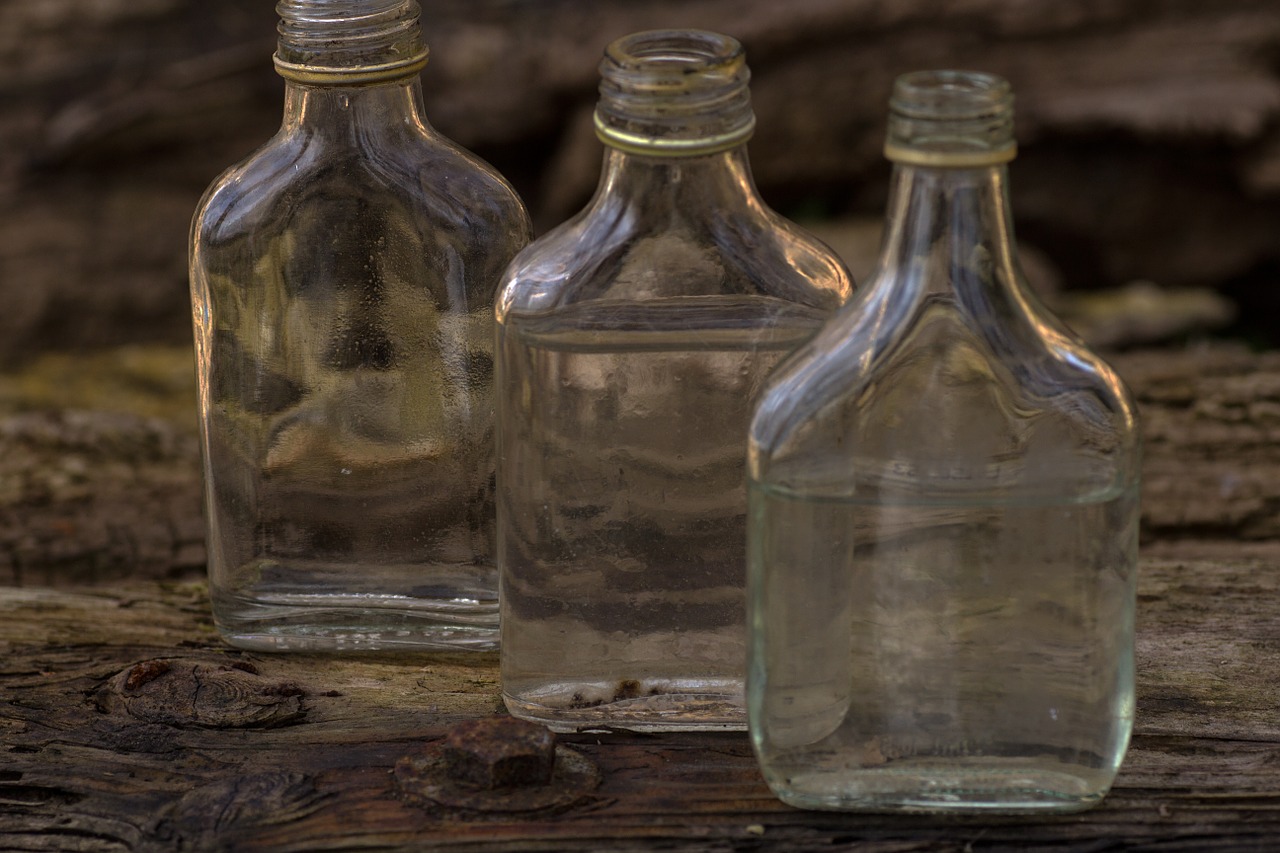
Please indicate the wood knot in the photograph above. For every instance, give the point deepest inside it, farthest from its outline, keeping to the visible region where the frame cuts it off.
(205, 816)
(187, 693)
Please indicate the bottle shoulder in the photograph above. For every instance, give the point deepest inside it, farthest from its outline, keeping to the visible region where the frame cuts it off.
(610, 252)
(246, 184)
(924, 389)
(301, 214)
(299, 180)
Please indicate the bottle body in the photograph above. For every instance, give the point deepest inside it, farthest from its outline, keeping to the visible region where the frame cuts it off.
(911, 683)
(623, 417)
(342, 282)
(943, 534)
(631, 342)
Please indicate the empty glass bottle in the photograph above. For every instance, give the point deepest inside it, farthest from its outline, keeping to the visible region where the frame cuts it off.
(342, 283)
(944, 512)
(631, 343)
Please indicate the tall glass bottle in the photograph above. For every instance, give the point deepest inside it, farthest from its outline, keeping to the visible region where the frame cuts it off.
(342, 283)
(631, 343)
(944, 512)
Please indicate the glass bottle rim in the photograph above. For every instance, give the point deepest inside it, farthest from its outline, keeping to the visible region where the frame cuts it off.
(674, 92)
(647, 54)
(349, 42)
(950, 118)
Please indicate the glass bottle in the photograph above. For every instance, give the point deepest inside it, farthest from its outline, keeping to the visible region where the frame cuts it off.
(631, 342)
(944, 512)
(342, 283)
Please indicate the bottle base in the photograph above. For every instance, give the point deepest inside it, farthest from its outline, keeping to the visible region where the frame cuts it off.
(320, 624)
(1000, 786)
(658, 706)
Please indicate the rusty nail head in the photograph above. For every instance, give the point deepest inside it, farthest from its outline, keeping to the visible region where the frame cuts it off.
(499, 752)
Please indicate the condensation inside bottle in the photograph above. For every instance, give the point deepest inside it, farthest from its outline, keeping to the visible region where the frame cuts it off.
(342, 280)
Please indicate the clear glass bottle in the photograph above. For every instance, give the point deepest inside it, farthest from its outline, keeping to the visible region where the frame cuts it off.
(631, 343)
(944, 512)
(342, 283)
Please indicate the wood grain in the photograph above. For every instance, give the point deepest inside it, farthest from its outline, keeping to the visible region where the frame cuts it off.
(125, 724)
(85, 768)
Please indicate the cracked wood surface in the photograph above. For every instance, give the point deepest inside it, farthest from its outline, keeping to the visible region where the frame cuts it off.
(127, 725)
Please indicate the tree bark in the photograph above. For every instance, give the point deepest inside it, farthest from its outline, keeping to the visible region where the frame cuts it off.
(91, 495)
(1151, 146)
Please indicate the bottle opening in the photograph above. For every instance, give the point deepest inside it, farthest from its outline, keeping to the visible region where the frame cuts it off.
(674, 93)
(951, 118)
(701, 49)
(349, 42)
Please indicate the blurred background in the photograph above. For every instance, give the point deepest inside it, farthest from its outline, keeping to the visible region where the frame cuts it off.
(1146, 193)
(1149, 131)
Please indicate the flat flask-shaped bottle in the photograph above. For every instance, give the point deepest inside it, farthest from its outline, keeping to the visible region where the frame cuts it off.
(631, 342)
(944, 512)
(342, 283)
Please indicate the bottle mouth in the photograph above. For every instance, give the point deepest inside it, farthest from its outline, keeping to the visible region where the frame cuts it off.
(951, 118)
(674, 93)
(349, 42)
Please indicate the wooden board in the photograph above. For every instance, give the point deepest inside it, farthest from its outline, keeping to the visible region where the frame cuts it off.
(125, 724)
(215, 749)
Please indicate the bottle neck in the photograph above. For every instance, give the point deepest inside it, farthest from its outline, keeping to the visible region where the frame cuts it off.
(666, 190)
(351, 69)
(949, 229)
(388, 110)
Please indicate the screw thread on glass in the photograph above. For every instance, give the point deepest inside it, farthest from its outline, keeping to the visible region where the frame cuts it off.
(950, 118)
(344, 42)
(674, 93)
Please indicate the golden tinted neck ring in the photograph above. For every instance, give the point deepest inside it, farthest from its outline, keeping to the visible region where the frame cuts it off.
(360, 75)
(939, 159)
(660, 146)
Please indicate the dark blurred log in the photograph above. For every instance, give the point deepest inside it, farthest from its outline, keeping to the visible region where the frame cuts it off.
(1211, 421)
(99, 475)
(1150, 133)
(99, 469)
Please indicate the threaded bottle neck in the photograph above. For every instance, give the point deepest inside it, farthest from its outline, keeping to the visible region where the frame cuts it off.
(674, 93)
(957, 119)
(349, 42)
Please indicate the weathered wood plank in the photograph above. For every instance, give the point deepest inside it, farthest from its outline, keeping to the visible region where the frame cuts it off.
(82, 769)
